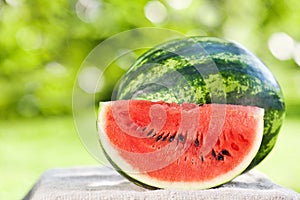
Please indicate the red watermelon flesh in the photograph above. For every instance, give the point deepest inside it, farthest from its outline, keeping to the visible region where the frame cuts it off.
(184, 146)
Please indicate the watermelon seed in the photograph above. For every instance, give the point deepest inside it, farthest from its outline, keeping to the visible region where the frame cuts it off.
(202, 159)
(213, 153)
(150, 132)
(164, 138)
(181, 138)
(196, 142)
(225, 152)
(172, 138)
(220, 157)
(144, 129)
(158, 138)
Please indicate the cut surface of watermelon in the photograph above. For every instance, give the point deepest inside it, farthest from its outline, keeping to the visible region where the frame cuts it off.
(183, 146)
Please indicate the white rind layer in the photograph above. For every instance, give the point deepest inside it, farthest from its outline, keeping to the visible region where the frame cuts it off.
(144, 178)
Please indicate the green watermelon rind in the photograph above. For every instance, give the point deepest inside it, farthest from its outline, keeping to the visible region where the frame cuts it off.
(250, 83)
(113, 157)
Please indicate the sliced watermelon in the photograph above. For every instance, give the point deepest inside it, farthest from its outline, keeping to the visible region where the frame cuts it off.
(183, 146)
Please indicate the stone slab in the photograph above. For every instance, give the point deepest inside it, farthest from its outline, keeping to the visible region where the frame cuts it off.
(95, 183)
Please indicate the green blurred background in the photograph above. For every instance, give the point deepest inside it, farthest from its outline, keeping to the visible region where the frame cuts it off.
(43, 43)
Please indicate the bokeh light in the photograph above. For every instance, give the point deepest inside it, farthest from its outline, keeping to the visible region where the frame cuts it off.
(56, 68)
(88, 10)
(29, 38)
(179, 4)
(155, 12)
(14, 3)
(88, 80)
(296, 54)
(281, 45)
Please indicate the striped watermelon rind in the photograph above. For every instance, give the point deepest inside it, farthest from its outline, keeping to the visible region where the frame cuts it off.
(170, 72)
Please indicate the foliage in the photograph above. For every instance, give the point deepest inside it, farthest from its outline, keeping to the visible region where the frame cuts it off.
(43, 43)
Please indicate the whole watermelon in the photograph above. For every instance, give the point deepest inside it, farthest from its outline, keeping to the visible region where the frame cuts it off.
(207, 70)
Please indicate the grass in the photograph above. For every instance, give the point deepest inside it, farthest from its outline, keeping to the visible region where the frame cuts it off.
(28, 147)
(282, 164)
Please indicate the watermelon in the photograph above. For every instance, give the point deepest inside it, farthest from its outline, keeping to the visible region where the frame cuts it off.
(161, 145)
(206, 70)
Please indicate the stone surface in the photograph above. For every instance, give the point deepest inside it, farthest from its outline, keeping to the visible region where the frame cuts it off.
(89, 183)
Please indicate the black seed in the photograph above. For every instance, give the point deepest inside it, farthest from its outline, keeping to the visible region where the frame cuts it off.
(213, 153)
(164, 138)
(154, 135)
(220, 157)
(158, 138)
(181, 138)
(172, 138)
(225, 152)
(144, 129)
(202, 159)
(150, 132)
(196, 142)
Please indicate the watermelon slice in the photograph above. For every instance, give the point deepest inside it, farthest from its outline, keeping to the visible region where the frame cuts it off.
(182, 146)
